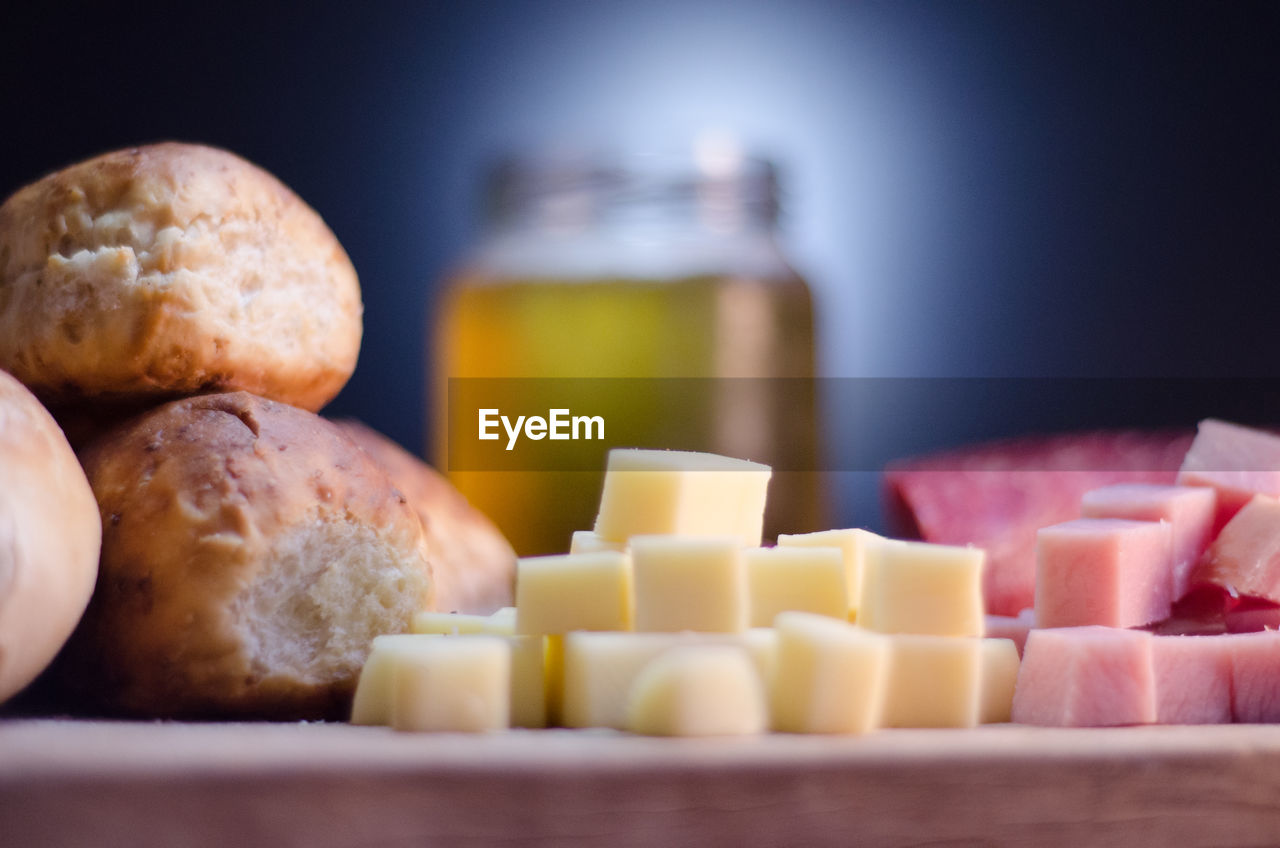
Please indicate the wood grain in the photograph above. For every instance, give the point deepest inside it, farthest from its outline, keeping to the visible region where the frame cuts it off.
(320, 785)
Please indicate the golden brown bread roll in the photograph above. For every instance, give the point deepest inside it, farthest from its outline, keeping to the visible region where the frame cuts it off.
(251, 552)
(475, 566)
(49, 536)
(169, 270)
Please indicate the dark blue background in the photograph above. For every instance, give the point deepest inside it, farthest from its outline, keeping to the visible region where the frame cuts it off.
(975, 189)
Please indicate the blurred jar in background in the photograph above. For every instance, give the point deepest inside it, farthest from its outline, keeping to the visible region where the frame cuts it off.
(636, 267)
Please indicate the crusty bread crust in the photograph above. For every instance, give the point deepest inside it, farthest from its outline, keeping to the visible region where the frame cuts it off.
(251, 552)
(169, 270)
(49, 538)
(475, 565)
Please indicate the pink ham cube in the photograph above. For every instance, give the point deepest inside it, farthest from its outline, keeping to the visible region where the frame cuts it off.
(1239, 462)
(1193, 679)
(1190, 511)
(1108, 571)
(1011, 627)
(1255, 676)
(1086, 677)
(1245, 558)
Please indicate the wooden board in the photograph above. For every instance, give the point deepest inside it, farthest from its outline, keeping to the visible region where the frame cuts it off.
(321, 785)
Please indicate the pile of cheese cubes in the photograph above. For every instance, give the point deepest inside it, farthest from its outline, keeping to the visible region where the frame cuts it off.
(670, 619)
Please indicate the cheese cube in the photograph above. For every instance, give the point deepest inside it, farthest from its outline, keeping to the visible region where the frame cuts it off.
(590, 542)
(653, 492)
(917, 587)
(934, 681)
(689, 583)
(830, 675)
(556, 594)
(501, 622)
(999, 676)
(698, 690)
(855, 545)
(600, 668)
(448, 623)
(528, 681)
(452, 684)
(795, 579)
(372, 701)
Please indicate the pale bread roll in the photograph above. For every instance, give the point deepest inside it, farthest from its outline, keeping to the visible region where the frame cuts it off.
(251, 552)
(49, 538)
(168, 270)
(475, 565)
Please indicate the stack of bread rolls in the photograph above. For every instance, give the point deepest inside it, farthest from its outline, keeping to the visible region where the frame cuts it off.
(183, 315)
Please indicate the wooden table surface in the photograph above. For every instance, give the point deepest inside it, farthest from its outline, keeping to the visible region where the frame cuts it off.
(143, 784)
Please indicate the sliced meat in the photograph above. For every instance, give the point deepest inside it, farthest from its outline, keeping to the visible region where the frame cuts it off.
(1086, 677)
(1108, 571)
(1239, 462)
(1190, 511)
(997, 495)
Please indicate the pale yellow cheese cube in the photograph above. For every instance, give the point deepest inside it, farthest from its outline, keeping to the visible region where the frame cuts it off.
(501, 622)
(999, 674)
(556, 594)
(830, 676)
(917, 587)
(528, 681)
(762, 646)
(448, 623)
(600, 668)
(689, 583)
(800, 579)
(934, 681)
(698, 690)
(589, 542)
(855, 544)
(372, 701)
(460, 684)
(653, 492)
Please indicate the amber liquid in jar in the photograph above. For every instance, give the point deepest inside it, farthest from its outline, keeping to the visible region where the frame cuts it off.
(492, 321)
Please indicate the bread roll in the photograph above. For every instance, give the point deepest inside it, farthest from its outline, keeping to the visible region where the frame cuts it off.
(169, 270)
(475, 566)
(49, 536)
(251, 552)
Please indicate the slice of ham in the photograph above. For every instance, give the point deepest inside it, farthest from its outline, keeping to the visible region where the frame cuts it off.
(1245, 558)
(1239, 462)
(1086, 677)
(1190, 511)
(1193, 679)
(1108, 571)
(1255, 676)
(997, 495)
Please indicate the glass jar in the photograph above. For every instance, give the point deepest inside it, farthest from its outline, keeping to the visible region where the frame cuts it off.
(643, 267)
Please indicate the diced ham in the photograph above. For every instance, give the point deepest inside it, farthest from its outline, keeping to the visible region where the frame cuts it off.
(1239, 462)
(1086, 677)
(1255, 677)
(1107, 571)
(1245, 558)
(1012, 627)
(997, 495)
(1193, 679)
(1190, 511)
